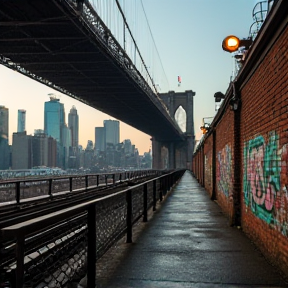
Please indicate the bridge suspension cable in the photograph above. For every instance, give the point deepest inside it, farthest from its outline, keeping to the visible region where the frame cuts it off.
(129, 24)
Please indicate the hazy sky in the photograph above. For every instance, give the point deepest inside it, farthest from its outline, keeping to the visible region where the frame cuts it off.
(188, 35)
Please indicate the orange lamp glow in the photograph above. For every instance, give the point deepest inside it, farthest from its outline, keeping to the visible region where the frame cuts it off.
(231, 43)
(204, 130)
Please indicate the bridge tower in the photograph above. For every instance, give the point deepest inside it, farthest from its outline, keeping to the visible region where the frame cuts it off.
(171, 155)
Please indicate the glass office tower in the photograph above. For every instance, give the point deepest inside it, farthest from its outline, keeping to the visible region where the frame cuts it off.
(54, 118)
(54, 126)
(21, 127)
(112, 131)
(99, 139)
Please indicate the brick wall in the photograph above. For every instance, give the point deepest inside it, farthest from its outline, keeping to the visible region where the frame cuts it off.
(264, 143)
(250, 148)
(225, 163)
(208, 164)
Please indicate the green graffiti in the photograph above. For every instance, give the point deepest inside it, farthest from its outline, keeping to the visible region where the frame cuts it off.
(261, 179)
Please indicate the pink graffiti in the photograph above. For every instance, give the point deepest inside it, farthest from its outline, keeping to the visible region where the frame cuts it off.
(269, 198)
(256, 175)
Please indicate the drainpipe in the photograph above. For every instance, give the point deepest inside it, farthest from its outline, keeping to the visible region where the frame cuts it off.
(235, 105)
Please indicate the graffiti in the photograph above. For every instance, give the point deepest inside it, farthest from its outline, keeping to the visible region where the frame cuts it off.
(208, 169)
(265, 180)
(225, 171)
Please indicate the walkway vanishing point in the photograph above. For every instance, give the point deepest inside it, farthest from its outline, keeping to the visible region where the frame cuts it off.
(186, 243)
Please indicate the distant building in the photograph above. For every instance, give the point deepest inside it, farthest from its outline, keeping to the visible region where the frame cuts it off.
(4, 139)
(73, 125)
(112, 131)
(40, 148)
(30, 151)
(52, 152)
(89, 145)
(4, 122)
(21, 127)
(66, 144)
(146, 160)
(44, 149)
(38, 131)
(22, 156)
(100, 139)
(89, 155)
(127, 146)
(54, 118)
(54, 126)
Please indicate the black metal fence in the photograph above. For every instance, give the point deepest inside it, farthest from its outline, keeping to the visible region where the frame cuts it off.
(17, 190)
(63, 246)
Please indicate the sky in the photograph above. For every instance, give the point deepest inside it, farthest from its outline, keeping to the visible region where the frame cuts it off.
(188, 36)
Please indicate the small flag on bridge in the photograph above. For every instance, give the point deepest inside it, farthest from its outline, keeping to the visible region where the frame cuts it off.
(179, 80)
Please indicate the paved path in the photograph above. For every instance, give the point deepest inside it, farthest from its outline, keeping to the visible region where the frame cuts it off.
(188, 243)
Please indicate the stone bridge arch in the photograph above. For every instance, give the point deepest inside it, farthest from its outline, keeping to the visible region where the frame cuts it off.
(179, 154)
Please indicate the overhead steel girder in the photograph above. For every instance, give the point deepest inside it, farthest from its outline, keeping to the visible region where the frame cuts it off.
(92, 56)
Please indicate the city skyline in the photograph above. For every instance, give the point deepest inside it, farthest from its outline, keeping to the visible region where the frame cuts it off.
(31, 125)
(112, 125)
(56, 144)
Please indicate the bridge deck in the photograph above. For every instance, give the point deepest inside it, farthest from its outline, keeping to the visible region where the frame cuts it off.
(75, 53)
(188, 243)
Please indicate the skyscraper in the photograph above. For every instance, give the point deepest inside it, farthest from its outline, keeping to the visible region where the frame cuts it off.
(54, 126)
(4, 132)
(40, 148)
(54, 118)
(44, 149)
(4, 120)
(66, 144)
(100, 139)
(21, 120)
(73, 125)
(112, 131)
(127, 146)
(22, 151)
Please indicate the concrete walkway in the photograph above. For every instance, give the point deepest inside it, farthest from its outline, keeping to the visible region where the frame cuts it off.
(188, 243)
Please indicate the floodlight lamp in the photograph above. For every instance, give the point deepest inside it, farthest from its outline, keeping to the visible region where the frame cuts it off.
(231, 43)
(218, 96)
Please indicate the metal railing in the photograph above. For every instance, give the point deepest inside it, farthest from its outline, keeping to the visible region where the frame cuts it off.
(59, 243)
(18, 190)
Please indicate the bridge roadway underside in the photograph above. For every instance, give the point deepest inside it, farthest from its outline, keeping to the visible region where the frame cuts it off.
(55, 44)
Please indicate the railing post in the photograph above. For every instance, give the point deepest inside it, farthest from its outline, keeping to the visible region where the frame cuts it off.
(70, 184)
(106, 180)
(17, 192)
(170, 182)
(154, 195)
(50, 187)
(97, 181)
(113, 177)
(20, 261)
(164, 185)
(129, 216)
(161, 189)
(91, 252)
(86, 181)
(145, 218)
